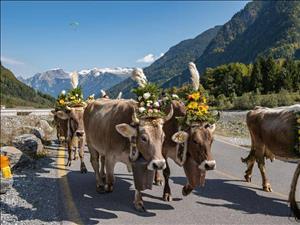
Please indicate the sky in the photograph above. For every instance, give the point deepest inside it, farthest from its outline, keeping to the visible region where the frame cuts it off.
(38, 36)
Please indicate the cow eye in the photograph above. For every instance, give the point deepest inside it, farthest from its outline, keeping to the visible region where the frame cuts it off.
(144, 138)
(195, 142)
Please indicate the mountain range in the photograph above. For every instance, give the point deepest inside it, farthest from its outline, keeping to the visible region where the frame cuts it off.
(262, 28)
(92, 81)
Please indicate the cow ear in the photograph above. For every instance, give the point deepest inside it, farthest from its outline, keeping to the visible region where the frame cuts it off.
(62, 115)
(126, 130)
(211, 128)
(180, 137)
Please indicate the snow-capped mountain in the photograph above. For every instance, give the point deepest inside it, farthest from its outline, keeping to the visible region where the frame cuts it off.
(91, 80)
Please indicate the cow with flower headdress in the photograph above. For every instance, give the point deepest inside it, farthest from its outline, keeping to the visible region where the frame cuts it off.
(127, 131)
(189, 135)
(69, 109)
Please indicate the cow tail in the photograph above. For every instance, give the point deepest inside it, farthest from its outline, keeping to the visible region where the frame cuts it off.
(292, 197)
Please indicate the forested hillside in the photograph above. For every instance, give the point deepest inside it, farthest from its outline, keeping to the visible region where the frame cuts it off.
(14, 93)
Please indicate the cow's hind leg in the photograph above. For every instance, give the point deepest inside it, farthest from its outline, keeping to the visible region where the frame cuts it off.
(81, 156)
(249, 160)
(95, 163)
(158, 179)
(265, 183)
(138, 201)
(110, 178)
(167, 190)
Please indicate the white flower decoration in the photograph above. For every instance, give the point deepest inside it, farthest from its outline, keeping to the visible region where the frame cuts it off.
(63, 92)
(141, 109)
(156, 104)
(146, 95)
(76, 95)
(142, 104)
(155, 110)
(175, 96)
(148, 104)
(140, 98)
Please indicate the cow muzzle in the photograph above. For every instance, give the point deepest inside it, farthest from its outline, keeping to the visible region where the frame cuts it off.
(157, 164)
(207, 165)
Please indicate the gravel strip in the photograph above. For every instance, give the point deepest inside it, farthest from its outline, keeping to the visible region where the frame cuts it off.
(34, 197)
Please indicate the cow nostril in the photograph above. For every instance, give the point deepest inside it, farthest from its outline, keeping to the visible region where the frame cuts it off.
(209, 166)
(155, 166)
(79, 134)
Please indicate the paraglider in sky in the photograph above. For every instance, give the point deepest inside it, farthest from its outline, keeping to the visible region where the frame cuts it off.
(74, 25)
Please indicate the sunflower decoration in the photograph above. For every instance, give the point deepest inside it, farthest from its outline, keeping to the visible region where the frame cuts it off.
(75, 96)
(61, 100)
(148, 96)
(195, 100)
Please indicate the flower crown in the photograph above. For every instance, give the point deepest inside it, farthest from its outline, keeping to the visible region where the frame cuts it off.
(148, 96)
(195, 101)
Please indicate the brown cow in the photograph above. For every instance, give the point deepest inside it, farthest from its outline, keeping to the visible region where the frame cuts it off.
(113, 130)
(272, 133)
(61, 127)
(292, 197)
(192, 150)
(75, 132)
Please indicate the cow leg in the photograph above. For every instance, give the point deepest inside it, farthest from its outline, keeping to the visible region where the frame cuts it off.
(158, 179)
(138, 201)
(102, 169)
(249, 160)
(110, 178)
(167, 190)
(95, 163)
(81, 156)
(265, 183)
(69, 143)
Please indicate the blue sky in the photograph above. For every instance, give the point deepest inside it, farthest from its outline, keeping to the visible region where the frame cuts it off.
(37, 36)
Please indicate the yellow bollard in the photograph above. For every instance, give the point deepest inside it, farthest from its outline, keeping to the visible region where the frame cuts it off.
(5, 168)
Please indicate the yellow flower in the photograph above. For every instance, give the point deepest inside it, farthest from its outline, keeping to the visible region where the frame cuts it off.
(192, 105)
(72, 97)
(203, 108)
(196, 96)
(204, 100)
(61, 101)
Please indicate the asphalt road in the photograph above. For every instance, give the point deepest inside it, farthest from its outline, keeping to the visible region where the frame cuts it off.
(225, 199)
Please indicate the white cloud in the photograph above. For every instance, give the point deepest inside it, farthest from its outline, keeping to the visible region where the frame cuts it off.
(11, 61)
(149, 58)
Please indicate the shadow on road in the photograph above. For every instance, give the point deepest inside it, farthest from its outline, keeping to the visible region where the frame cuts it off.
(239, 196)
(94, 206)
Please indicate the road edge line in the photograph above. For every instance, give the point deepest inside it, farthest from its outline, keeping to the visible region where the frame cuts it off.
(69, 205)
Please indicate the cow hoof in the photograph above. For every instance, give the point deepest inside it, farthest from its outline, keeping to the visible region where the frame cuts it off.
(248, 178)
(158, 182)
(108, 188)
(186, 190)
(167, 197)
(100, 189)
(267, 188)
(139, 207)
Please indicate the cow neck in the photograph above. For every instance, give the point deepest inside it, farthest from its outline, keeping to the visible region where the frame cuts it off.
(181, 151)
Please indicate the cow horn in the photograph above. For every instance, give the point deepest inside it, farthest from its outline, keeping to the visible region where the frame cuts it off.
(68, 108)
(134, 117)
(84, 104)
(170, 114)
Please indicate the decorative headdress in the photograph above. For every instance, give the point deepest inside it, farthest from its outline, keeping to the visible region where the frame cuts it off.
(148, 96)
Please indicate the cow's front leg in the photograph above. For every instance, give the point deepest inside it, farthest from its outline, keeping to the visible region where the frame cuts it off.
(138, 201)
(95, 163)
(69, 143)
(167, 190)
(158, 179)
(102, 170)
(110, 178)
(265, 183)
(81, 155)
